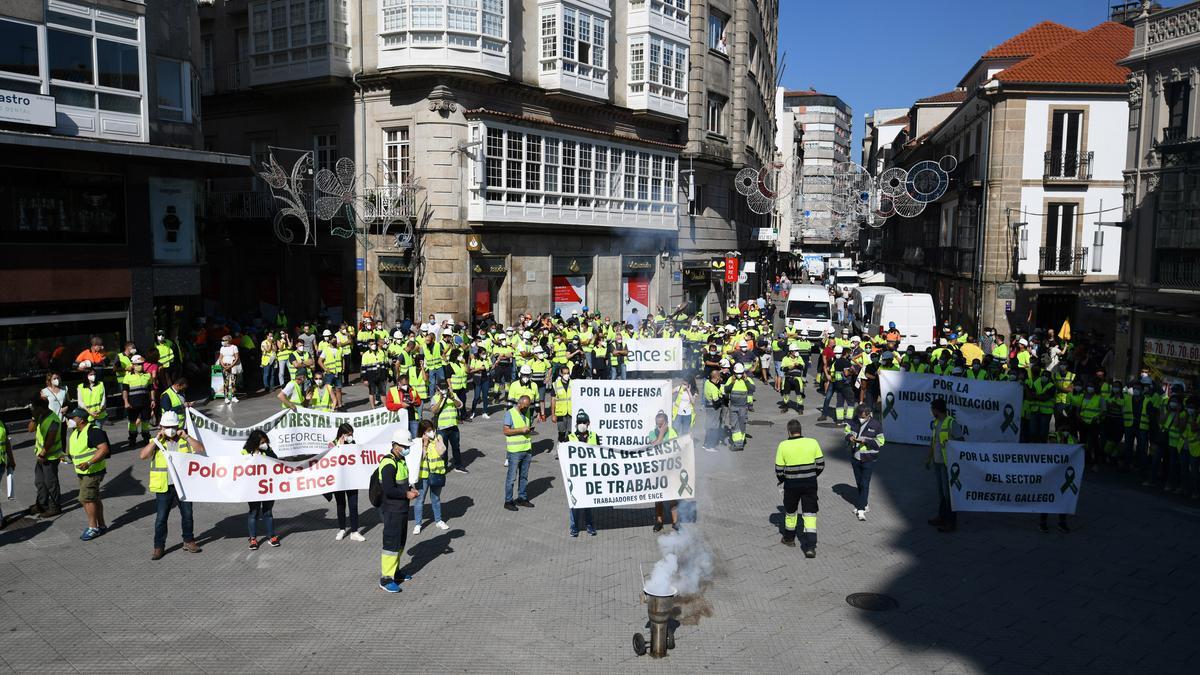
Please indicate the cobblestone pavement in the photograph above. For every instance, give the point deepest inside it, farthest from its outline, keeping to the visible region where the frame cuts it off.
(511, 592)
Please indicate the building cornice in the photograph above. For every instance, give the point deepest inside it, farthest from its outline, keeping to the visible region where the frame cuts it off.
(476, 113)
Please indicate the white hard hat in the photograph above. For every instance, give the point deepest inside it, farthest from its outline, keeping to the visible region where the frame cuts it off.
(942, 341)
(424, 328)
(793, 347)
(538, 350)
(1023, 342)
(838, 349)
(85, 364)
(137, 358)
(326, 333)
(739, 368)
(169, 419)
(525, 335)
(743, 343)
(855, 339)
(402, 437)
(397, 334)
(724, 363)
(526, 370)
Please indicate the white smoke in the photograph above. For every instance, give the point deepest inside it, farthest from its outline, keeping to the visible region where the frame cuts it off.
(687, 563)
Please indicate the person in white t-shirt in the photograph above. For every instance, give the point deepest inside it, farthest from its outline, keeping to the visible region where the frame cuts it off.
(230, 362)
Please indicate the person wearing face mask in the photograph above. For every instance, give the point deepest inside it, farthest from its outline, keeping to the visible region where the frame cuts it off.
(321, 397)
(374, 372)
(560, 402)
(259, 444)
(662, 433)
(1132, 403)
(54, 394)
(1090, 409)
(91, 396)
(137, 392)
(582, 434)
(1169, 436)
(294, 394)
(446, 408)
(171, 438)
(432, 447)
(93, 357)
(683, 408)
(864, 435)
(174, 399)
(739, 391)
(124, 362)
(395, 492)
(164, 348)
(346, 499)
(404, 397)
(524, 386)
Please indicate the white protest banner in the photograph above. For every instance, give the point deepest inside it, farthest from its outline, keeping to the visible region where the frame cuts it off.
(621, 411)
(599, 475)
(1015, 477)
(987, 411)
(256, 478)
(304, 432)
(654, 354)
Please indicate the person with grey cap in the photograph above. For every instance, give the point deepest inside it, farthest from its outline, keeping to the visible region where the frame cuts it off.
(88, 448)
(581, 434)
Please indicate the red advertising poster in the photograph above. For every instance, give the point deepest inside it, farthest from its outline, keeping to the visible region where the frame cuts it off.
(481, 296)
(569, 293)
(637, 299)
(731, 270)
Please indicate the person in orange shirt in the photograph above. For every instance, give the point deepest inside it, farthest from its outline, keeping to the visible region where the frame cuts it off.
(92, 357)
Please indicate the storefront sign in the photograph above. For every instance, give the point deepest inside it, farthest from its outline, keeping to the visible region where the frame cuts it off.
(717, 264)
(695, 275)
(24, 108)
(489, 266)
(731, 270)
(173, 219)
(473, 243)
(571, 265)
(1171, 349)
(395, 265)
(640, 263)
(766, 234)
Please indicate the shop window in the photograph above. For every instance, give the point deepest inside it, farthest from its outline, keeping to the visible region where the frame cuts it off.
(39, 206)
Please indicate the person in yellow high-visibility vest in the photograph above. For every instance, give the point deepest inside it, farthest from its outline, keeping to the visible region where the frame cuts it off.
(329, 358)
(88, 448)
(49, 432)
(560, 402)
(945, 428)
(171, 438)
(798, 463)
(518, 433)
(396, 492)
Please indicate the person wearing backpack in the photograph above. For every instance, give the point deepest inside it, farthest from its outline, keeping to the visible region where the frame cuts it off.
(390, 492)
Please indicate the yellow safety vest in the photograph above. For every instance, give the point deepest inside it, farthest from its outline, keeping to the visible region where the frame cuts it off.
(562, 398)
(39, 439)
(81, 452)
(448, 415)
(159, 478)
(92, 400)
(458, 376)
(166, 355)
(519, 442)
(432, 463)
(322, 398)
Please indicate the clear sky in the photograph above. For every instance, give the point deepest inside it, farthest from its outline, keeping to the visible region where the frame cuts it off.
(887, 54)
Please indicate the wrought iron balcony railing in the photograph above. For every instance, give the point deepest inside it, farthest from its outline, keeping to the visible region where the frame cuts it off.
(1062, 262)
(1068, 166)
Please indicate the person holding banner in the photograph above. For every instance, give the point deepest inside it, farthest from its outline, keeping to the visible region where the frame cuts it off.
(170, 438)
(661, 434)
(945, 429)
(346, 498)
(798, 463)
(864, 434)
(259, 444)
(395, 493)
(714, 401)
(323, 396)
(294, 394)
(582, 434)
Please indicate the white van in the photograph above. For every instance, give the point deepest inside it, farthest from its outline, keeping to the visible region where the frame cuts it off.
(845, 280)
(809, 311)
(913, 314)
(861, 300)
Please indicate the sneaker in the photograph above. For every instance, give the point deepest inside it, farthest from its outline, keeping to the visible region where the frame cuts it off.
(416, 529)
(574, 533)
(591, 531)
(862, 515)
(459, 469)
(810, 553)
(356, 536)
(441, 525)
(341, 534)
(866, 509)
(191, 547)
(253, 544)
(90, 534)
(505, 461)
(233, 400)
(1064, 528)
(274, 542)
(401, 577)
(389, 586)
(708, 449)
(486, 416)
(658, 527)
(510, 506)
(788, 542)
(524, 502)
(1043, 527)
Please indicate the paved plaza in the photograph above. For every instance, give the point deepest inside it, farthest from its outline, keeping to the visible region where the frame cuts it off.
(512, 592)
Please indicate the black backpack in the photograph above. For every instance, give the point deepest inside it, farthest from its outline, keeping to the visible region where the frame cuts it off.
(375, 489)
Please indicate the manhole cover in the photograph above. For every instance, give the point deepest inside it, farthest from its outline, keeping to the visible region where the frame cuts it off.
(872, 602)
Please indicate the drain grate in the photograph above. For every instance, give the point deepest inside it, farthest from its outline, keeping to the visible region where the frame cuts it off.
(872, 602)
(760, 423)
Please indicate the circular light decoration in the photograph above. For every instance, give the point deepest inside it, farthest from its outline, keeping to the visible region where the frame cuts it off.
(907, 207)
(747, 181)
(892, 181)
(927, 182)
(948, 163)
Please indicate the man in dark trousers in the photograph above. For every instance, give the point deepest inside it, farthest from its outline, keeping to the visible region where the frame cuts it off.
(393, 510)
(864, 435)
(798, 462)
